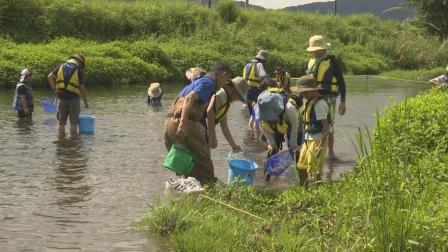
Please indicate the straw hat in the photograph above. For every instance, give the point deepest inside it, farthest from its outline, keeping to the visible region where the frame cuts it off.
(262, 55)
(194, 73)
(317, 42)
(269, 106)
(305, 83)
(241, 86)
(80, 57)
(154, 90)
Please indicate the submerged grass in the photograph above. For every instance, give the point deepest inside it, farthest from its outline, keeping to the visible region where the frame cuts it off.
(395, 199)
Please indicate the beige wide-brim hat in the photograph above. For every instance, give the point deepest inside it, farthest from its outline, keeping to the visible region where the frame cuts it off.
(154, 90)
(317, 42)
(305, 83)
(262, 55)
(241, 86)
(81, 59)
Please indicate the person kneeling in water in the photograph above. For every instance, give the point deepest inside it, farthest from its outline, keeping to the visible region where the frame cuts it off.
(154, 94)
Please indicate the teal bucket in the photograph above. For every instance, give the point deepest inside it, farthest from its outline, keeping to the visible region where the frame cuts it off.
(242, 169)
(86, 124)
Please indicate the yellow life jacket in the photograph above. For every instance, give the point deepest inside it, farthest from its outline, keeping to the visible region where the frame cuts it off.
(283, 80)
(311, 125)
(250, 75)
(274, 90)
(222, 110)
(73, 83)
(280, 127)
(324, 74)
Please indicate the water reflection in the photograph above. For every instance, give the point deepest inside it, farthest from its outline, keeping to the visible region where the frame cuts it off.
(24, 127)
(71, 171)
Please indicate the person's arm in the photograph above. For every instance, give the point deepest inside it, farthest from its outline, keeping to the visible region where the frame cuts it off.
(190, 99)
(337, 71)
(228, 135)
(272, 145)
(24, 103)
(210, 121)
(83, 92)
(325, 132)
(439, 80)
(52, 81)
(82, 86)
(293, 120)
(261, 71)
(322, 110)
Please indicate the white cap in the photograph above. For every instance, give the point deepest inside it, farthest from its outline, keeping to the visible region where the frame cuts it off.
(25, 73)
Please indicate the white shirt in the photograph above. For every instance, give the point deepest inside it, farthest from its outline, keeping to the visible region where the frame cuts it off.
(260, 70)
(442, 79)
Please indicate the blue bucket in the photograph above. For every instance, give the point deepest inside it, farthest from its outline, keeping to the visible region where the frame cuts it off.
(86, 124)
(241, 168)
(49, 104)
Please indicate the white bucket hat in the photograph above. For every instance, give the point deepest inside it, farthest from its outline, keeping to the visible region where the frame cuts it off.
(154, 90)
(25, 73)
(317, 42)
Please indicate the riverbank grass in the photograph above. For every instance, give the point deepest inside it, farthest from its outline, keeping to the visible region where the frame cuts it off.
(395, 199)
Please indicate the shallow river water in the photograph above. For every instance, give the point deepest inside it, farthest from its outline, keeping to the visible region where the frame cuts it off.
(83, 194)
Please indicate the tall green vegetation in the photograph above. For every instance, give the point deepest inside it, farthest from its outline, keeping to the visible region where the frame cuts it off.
(432, 15)
(137, 41)
(396, 199)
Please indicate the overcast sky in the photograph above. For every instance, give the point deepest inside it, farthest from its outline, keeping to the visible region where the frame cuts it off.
(277, 4)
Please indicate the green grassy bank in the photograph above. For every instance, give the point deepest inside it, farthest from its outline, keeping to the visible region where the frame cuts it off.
(396, 198)
(140, 41)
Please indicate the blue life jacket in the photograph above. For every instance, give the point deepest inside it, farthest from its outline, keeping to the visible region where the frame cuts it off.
(17, 103)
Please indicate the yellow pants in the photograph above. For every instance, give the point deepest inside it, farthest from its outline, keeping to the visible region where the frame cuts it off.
(312, 156)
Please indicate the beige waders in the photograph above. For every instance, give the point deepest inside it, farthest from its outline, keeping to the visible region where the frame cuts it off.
(195, 140)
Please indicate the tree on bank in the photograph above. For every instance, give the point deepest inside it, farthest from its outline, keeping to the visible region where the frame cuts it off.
(432, 13)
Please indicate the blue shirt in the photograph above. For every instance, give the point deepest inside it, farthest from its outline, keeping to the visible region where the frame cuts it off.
(204, 87)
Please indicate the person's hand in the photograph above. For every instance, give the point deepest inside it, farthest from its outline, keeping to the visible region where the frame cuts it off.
(342, 108)
(213, 142)
(236, 148)
(433, 82)
(181, 130)
(26, 111)
(271, 150)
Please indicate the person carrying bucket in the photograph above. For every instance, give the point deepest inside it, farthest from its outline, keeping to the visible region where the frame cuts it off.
(279, 117)
(23, 96)
(233, 90)
(68, 83)
(183, 126)
(326, 69)
(155, 93)
(253, 73)
(316, 124)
